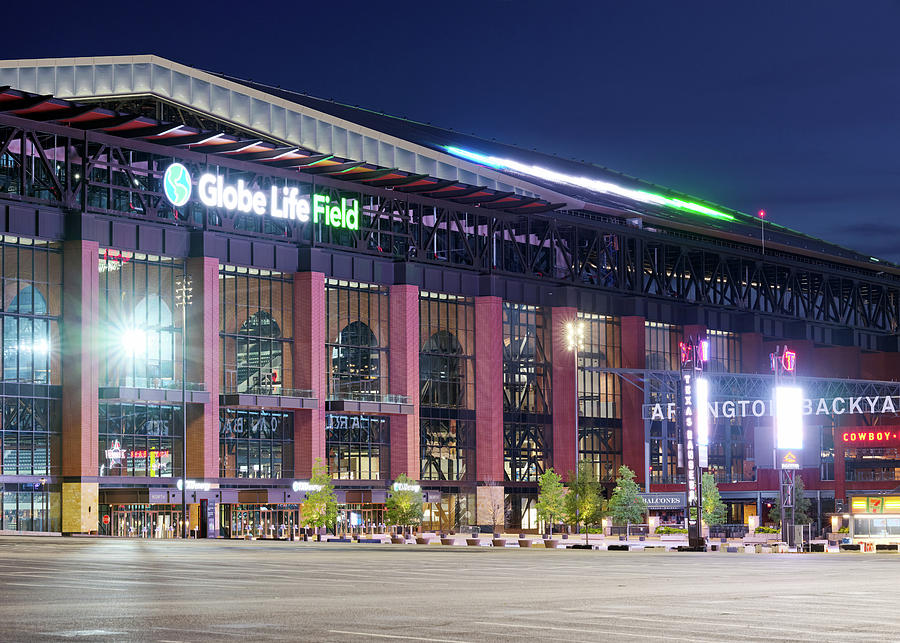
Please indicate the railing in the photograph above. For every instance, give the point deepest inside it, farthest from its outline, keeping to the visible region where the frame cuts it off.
(871, 476)
(384, 398)
(269, 389)
(154, 383)
(728, 531)
(629, 530)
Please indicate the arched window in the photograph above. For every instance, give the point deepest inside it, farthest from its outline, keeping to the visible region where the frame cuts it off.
(356, 362)
(259, 354)
(26, 341)
(441, 370)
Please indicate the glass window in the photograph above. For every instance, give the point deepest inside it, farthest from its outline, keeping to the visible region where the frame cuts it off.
(358, 447)
(256, 318)
(140, 339)
(528, 424)
(358, 340)
(142, 440)
(255, 444)
(30, 312)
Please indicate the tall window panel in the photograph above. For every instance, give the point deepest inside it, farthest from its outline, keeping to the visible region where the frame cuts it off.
(600, 396)
(256, 444)
(447, 394)
(357, 317)
(731, 454)
(140, 339)
(358, 447)
(527, 431)
(724, 352)
(140, 440)
(661, 346)
(31, 308)
(256, 330)
(30, 427)
(30, 436)
(665, 436)
(30, 506)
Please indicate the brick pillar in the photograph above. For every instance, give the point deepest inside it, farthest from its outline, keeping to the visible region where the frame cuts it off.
(564, 441)
(80, 382)
(753, 358)
(203, 366)
(404, 371)
(310, 369)
(840, 469)
(489, 389)
(633, 435)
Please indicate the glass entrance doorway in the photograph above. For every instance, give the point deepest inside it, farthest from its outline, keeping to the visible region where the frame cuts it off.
(144, 521)
(260, 521)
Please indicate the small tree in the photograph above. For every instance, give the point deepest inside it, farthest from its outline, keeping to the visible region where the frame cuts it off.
(496, 506)
(404, 507)
(551, 497)
(625, 505)
(802, 506)
(319, 509)
(584, 504)
(713, 507)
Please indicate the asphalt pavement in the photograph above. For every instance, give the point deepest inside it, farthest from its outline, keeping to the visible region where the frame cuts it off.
(97, 589)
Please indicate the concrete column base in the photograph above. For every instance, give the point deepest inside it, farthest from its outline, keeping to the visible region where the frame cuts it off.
(80, 507)
(490, 507)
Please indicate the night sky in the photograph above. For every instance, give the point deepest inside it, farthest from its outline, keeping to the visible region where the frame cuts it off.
(788, 106)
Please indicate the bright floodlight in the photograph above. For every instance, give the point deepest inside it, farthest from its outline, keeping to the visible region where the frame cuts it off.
(575, 335)
(133, 341)
(789, 417)
(701, 410)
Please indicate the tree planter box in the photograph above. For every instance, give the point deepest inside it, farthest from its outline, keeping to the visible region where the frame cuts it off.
(473, 542)
(448, 541)
(498, 542)
(398, 540)
(551, 544)
(524, 542)
(423, 541)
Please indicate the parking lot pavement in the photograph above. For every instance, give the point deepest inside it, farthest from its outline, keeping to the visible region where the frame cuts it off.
(121, 590)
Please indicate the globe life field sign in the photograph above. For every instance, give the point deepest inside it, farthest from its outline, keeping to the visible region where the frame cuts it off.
(279, 203)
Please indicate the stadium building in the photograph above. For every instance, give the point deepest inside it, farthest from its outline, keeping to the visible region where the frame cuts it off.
(388, 297)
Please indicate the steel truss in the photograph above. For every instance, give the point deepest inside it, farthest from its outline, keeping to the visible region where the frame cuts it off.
(88, 171)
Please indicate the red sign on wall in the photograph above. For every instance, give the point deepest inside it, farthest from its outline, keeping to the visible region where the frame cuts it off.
(870, 436)
(105, 519)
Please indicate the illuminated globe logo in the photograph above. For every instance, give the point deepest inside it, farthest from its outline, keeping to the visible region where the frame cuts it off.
(177, 184)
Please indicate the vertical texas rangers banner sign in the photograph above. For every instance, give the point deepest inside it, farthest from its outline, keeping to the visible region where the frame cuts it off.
(694, 395)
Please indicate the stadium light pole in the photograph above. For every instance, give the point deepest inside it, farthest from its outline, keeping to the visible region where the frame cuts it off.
(762, 229)
(575, 343)
(183, 288)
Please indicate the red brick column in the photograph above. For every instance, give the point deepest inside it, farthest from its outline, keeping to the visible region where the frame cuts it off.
(203, 365)
(404, 370)
(80, 381)
(489, 389)
(310, 369)
(633, 437)
(840, 469)
(753, 358)
(80, 359)
(564, 441)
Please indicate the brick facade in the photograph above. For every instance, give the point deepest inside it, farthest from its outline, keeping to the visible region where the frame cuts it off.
(404, 378)
(489, 388)
(310, 369)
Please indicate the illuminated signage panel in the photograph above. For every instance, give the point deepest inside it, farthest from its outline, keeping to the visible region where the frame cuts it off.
(279, 203)
(789, 417)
